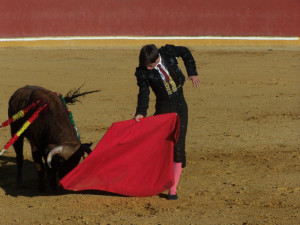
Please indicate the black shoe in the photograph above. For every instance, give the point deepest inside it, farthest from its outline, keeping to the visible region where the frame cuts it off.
(173, 197)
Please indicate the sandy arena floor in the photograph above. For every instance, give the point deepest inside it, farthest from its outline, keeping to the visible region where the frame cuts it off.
(242, 144)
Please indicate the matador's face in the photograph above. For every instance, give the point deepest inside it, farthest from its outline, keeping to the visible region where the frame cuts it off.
(151, 66)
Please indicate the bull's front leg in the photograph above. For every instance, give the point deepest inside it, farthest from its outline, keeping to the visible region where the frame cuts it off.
(39, 167)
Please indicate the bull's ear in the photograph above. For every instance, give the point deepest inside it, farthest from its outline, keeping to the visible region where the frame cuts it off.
(86, 148)
(88, 144)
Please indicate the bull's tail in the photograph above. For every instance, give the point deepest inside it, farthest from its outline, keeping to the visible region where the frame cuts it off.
(72, 95)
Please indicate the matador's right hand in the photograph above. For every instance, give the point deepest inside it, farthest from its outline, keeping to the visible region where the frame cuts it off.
(138, 117)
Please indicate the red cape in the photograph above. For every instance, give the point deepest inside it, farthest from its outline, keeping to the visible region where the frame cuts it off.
(133, 158)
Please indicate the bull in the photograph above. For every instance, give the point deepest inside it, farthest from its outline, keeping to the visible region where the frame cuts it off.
(52, 136)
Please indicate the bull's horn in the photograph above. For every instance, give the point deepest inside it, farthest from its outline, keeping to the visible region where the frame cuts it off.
(54, 151)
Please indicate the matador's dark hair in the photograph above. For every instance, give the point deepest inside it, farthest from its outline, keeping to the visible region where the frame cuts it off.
(148, 55)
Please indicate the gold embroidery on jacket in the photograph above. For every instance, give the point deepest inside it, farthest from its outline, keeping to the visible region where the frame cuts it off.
(171, 86)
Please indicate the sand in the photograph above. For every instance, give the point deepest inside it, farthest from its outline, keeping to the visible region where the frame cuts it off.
(242, 143)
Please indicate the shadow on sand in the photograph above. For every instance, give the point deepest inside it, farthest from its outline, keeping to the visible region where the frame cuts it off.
(29, 188)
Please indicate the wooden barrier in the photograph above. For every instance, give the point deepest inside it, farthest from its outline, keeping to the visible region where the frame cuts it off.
(51, 18)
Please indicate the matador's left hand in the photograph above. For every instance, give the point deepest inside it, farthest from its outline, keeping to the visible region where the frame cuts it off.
(195, 80)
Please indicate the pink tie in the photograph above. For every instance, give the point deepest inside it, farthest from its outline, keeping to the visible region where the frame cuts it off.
(163, 72)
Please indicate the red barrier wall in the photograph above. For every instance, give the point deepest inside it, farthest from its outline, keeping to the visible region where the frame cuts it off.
(38, 18)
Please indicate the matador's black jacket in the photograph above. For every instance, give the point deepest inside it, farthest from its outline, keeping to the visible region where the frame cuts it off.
(166, 102)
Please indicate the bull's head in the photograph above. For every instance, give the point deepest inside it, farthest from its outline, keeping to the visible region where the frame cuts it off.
(69, 156)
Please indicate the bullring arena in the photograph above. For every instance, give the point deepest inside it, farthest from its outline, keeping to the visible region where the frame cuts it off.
(242, 142)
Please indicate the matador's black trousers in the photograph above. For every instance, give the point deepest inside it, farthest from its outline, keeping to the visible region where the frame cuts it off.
(176, 103)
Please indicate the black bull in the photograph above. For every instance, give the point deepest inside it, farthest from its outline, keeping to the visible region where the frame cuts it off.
(52, 135)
